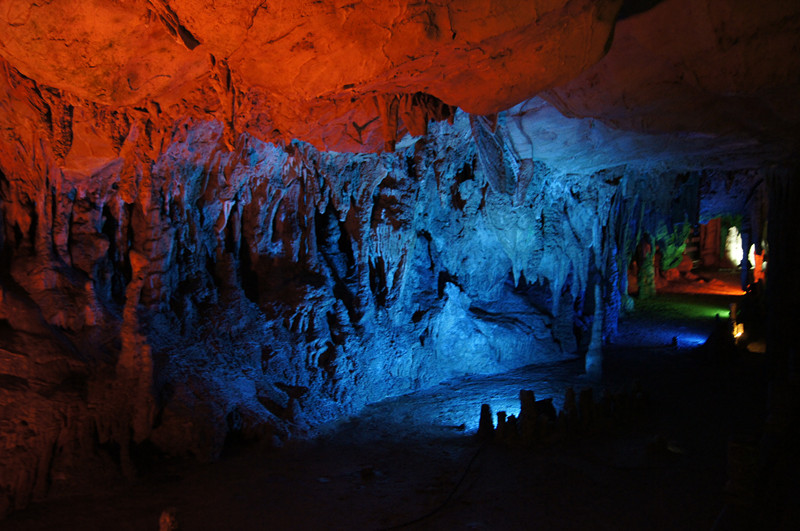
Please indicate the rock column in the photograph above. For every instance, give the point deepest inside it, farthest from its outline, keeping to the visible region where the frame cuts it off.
(646, 277)
(783, 287)
(594, 356)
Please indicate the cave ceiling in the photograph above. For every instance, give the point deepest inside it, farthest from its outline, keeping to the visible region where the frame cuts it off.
(715, 78)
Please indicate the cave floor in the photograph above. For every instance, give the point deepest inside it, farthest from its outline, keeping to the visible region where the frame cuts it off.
(415, 460)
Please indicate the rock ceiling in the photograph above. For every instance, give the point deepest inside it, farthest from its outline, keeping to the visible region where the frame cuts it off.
(317, 71)
(356, 76)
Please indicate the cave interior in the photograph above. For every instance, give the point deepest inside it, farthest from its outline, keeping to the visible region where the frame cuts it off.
(396, 264)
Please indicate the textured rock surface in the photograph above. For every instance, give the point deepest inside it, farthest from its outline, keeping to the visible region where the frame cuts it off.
(719, 73)
(323, 72)
(171, 280)
(186, 293)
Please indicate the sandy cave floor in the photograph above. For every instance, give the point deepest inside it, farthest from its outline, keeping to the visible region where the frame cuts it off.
(416, 456)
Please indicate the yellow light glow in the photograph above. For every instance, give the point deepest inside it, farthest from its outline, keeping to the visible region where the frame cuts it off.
(738, 330)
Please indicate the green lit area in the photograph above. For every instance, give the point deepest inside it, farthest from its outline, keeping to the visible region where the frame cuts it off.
(700, 306)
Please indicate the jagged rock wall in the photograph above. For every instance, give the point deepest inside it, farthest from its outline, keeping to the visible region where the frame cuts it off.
(182, 293)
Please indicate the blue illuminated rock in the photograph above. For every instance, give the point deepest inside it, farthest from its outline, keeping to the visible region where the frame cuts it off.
(256, 293)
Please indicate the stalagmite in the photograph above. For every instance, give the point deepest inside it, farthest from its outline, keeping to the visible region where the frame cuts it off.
(571, 410)
(500, 432)
(586, 408)
(486, 423)
(527, 416)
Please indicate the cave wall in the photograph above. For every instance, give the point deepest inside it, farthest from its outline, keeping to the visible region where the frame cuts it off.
(164, 289)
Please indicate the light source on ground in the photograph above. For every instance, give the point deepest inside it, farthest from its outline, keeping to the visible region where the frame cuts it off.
(690, 339)
(738, 330)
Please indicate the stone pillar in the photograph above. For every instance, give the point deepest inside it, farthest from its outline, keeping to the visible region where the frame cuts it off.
(613, 304)
(594, 356)
(783, 286)
(647, 275)
(710, 238)
(746, 276)
(779, 440)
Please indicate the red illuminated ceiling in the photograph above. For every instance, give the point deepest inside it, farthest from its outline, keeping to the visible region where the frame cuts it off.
(356, 76)
(318, 71)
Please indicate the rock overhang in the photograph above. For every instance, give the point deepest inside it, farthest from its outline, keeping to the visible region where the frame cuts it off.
(316, 71)
(711, 81)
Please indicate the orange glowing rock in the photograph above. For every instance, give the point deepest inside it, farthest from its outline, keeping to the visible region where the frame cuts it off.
(307, 69)
(758, 268)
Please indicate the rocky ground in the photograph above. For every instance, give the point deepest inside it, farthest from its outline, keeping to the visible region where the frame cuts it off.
(415, 462)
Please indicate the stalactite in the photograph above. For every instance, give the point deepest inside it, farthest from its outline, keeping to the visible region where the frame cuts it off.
(388, 106)
(492, 156)
(222, 82)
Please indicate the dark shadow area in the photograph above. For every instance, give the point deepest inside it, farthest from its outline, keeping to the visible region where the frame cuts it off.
(634, 7)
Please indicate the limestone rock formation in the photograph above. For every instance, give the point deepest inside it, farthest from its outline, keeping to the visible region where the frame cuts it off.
(204, 237)
(193, 293)
(319, 71)
(719, 73)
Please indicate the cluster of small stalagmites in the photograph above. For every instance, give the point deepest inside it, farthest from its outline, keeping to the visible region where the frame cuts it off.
(540, 423)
